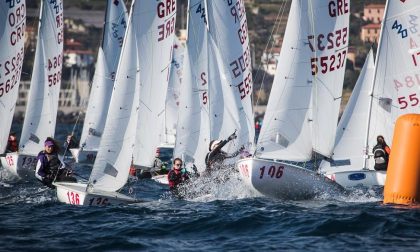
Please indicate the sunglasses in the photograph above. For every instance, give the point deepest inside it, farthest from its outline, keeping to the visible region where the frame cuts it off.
(177, 164)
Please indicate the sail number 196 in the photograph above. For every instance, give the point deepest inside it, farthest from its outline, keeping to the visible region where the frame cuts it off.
(273, 171)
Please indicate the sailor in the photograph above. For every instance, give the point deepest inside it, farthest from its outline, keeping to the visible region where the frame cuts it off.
(381, 153)
(48, 168)
(69, 143)
(12, 145)
(177, 175)
(215, 157)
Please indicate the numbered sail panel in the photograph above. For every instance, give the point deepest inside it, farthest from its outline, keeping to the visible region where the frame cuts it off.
(41, 110)
(76, 194)
(397, 75)
(284, 181)
(21, 165)
(13, 23)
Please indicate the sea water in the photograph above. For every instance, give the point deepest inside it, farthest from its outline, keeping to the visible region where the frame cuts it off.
(212, 216)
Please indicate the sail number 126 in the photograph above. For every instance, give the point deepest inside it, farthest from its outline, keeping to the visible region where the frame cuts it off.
(273, 171)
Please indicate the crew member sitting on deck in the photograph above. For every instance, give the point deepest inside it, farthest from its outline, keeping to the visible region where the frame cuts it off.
(177, 175)
(12, 144)
(381, 153)
(215, 157)
(48, 168)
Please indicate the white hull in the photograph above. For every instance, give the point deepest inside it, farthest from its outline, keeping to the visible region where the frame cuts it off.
(366, 178)
(21, 165)
(84, 156)
(282, 180)
(76, 194)
(163, 179)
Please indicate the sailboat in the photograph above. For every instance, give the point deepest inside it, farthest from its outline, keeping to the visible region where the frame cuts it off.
(303, 108)
(103, 81)
(390, 92)
(117, 146)
(13, 21)
(155, 67)
(42, 105)
(217, 81)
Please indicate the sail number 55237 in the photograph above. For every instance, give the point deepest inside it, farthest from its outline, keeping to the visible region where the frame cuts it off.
(272, 171)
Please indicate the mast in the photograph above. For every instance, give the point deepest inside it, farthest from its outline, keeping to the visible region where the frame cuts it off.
(366, 156)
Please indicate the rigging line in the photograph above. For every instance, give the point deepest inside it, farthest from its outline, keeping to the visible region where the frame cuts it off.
(274, 30)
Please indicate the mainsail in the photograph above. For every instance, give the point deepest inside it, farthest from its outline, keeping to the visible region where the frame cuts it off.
(110, 170)
(217, 84)
(103, 80)
(41, 109)
(303, 108)
(13, 23)
(154, 22)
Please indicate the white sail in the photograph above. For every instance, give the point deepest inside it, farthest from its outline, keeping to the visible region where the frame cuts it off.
(230, 75)
(41, 109)
(13, 23)
(172, 97)
(302, 111)
(349, 150)
(154, 22)
(193, 132)
(397, 77)
(111, 167)
(103, 80)
(217, 83)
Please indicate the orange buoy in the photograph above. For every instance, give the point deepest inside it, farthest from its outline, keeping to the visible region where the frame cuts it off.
(402, 185)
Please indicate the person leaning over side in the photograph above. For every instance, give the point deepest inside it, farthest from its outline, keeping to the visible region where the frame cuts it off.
(381, 152)
(216, 156)
(177, 175)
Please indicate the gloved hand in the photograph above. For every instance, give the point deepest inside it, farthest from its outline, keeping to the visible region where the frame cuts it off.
(233, 136)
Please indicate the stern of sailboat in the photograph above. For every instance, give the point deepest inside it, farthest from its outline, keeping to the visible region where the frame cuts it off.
(21, 165)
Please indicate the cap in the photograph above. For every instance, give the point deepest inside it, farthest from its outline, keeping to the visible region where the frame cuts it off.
(49, 143)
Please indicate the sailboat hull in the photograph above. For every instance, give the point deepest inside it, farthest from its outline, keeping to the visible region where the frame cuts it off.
(365, 178)
(284, 181)
(76, 194)
(84, 156)
(21, 165)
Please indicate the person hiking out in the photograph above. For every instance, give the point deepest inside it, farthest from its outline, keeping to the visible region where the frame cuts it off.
(216, 156)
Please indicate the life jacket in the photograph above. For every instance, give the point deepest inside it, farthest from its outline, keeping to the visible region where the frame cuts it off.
(380, 155)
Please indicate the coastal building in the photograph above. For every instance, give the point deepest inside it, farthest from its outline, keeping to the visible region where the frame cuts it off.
(374, 13)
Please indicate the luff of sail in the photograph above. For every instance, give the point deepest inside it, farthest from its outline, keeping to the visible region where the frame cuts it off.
(303, 108)
(111, 167)
(13, 23)
(103, 80)
(155, 31)
(41, 109)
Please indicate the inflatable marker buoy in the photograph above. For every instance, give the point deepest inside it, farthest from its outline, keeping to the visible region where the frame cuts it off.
(402, 185)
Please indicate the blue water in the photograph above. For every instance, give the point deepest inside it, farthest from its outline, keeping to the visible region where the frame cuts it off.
(227, 217)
